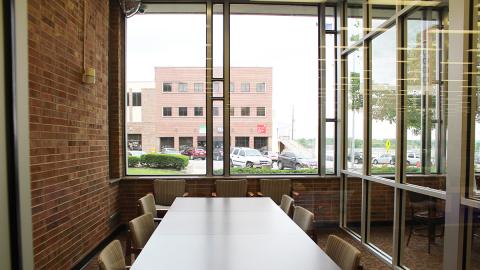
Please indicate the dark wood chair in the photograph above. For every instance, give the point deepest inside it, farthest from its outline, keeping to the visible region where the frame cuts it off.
(425, 217)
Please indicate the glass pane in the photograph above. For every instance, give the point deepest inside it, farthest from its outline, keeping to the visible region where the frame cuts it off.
(475, 246)
(475, 193)
(275, 102)
(381, 14)
(423, 113)
(217, 112)
(330, 68)
(355, 111)
(381, 217)
(166, 116)
(383, 102)
(424, 230)
(330, 18)
(330, 156)
(217, 41)
(354, 21)
(353, 204)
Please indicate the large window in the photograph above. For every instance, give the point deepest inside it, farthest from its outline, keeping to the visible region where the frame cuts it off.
(355, 96)
(165, 56)
(383, 103)
(274, 104)
(284, 95)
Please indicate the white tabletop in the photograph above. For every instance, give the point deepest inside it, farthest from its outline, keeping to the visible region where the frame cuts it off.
(230, 234)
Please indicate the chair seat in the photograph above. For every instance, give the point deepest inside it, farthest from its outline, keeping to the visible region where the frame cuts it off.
(159, 207)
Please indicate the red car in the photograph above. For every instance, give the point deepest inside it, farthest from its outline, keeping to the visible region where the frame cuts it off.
(194, 153)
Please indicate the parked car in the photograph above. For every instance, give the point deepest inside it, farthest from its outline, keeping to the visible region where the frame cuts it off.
(413, 159)
(357, 157)
(195, 152)
(218, 153)
(248, 157)
(271, 155)
(168, 150)
(384, 159)
(296, 161)
(136, 153)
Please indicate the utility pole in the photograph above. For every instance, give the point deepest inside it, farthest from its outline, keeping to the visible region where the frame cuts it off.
(293, 119)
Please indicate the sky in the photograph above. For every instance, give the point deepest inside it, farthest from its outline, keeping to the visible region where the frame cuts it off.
(288, 44)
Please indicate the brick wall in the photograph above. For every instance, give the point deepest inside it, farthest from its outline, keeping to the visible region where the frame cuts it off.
(71, 195)
(319, 195)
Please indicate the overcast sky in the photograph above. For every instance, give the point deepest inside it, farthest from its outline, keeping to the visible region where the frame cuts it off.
(288, 44)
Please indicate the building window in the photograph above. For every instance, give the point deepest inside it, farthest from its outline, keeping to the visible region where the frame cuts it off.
(167, 111)
(232, 87)
(245, 111)
(260, 111)
(198, 111)
(215, 111)
(245, 87)
(182, 87)
(242, 142)
(198, 87)
(134, 142)
(260, 87)
(182, 111)
(232, 111)
(167, 87)
(128, 99)
(136, 99)
(260, 143)
(216, 87)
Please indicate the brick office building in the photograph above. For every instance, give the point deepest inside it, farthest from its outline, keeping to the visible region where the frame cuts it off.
(170, 112)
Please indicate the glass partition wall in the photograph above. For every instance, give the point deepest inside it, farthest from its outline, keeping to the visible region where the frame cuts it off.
(394, 147)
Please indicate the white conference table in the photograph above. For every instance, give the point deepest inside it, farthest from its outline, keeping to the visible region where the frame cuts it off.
(230, 234)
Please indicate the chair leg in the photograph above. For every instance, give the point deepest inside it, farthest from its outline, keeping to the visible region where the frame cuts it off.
(128, 249)
(410, 231)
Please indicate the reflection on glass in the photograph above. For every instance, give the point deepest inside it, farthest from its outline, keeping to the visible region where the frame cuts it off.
(381, 217)
(475, 245)
(217, 46)
(381, 14)
(383, 102)
(354, 22)
(355, 93)
(423, 108)
(165, 110)
(330, 148)
(424, 231)
(353, 204)
(217, 111)
(276, 81)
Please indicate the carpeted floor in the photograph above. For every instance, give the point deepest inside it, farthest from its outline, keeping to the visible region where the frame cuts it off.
(416, 254)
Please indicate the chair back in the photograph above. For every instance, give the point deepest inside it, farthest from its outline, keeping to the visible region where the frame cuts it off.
(286, 204)
(346, 256)
(303, 218)
(111, 257)
(167, 190)
(275, 188)
(146, 205)
(141, 228)
(231, 188)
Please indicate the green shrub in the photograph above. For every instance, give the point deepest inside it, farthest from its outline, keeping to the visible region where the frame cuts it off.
(133, 161)
(165, 161)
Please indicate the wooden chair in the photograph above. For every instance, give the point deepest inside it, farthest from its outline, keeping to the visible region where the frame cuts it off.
(231, 188)
(111, 257)
(139, 230)
(304, 219)
(146, 205)
(166, 191)
(276, 188)
(424, 216)
(287, 204)
(346, 256)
